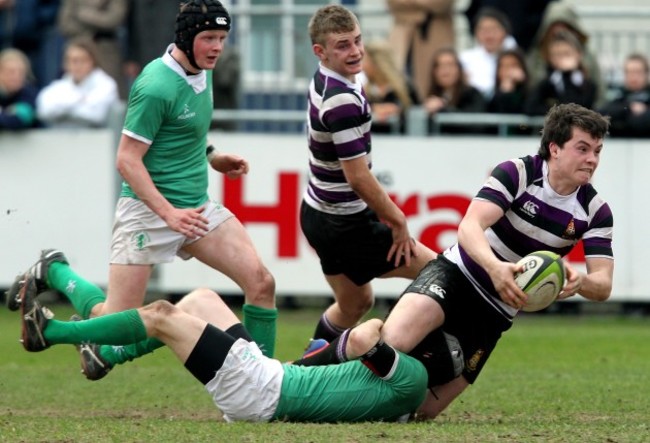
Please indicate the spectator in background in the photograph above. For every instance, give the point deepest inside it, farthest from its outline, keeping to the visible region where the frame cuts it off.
(389, 92)
(449, 90)
(150, 28)
(226, 86)
(561, 17)
(420, 27)
(567, 82)
(525, 16)
(100, 21)
(511, 83)
(629, 111)
(31, 27)
(85, 94)
(6, 25)
(492, 34)
(17, 94)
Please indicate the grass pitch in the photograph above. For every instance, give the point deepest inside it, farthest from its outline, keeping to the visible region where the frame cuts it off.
(551, 379)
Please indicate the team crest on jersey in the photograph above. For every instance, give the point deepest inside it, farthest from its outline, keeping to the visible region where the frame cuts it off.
(570, 231)
(140, 240)
(473, 362)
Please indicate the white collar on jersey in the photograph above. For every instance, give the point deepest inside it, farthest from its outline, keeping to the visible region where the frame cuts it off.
(357, 86)
(198, 82)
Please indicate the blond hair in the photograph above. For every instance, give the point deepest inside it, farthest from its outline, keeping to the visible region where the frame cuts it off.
(331, 19)
(387, 71)
(12, 54)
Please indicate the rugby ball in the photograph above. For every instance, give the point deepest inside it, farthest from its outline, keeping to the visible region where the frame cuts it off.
(542, 279)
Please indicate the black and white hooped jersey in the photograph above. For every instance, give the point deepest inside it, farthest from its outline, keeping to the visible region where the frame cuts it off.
(536, 218)
(339, 121)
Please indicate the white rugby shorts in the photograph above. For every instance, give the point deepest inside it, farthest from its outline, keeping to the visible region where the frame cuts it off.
(141, 237)
(248, 385)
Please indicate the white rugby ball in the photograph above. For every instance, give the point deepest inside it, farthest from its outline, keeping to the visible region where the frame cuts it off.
(542, 279)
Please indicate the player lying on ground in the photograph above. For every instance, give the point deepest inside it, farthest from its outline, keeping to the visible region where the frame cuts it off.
(380, 384)
(439, 352)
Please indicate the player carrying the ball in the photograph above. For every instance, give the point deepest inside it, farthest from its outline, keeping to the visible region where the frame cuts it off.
(537, 202)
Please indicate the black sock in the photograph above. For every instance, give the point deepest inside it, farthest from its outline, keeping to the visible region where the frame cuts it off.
(327, 330)
(238, 330)
(380, 359)
(209, 353)
(333, 354)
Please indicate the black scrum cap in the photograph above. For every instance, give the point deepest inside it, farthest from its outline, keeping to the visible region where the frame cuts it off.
(196, 16)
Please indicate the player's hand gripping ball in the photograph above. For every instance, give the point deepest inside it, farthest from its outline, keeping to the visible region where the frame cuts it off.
(542, 279)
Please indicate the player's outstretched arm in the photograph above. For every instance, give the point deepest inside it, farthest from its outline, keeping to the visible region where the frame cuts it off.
(595, 285)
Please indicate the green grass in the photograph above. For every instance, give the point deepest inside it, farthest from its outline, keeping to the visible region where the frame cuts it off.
(552, 379)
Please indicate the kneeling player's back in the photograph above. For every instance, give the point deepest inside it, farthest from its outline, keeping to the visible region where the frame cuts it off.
(350, 392)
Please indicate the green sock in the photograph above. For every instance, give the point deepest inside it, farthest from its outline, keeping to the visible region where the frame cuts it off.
(112, 329)
(116, 355)
(82, 294)
(260, 322)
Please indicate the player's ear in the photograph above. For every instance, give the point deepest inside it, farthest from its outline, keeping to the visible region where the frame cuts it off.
(319, 51)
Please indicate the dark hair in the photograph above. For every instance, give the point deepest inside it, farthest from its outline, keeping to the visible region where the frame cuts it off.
(87, 45)
(567, 37)
(560, 121)
(461, 84)
(564, 36)
(637, 56)
(493, 13)
(521, 58)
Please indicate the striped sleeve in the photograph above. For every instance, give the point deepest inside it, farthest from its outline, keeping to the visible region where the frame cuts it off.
(343, 114)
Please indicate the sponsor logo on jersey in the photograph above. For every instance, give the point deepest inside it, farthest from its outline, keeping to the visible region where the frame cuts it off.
(186, 113)
(530, 209)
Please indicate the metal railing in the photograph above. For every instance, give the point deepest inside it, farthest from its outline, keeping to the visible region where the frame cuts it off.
(418, 122)
(273, 98)
(504, 123)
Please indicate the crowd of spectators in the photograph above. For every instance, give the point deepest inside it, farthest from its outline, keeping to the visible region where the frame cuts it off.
(67, 62)
(69, 54)
(525, 58)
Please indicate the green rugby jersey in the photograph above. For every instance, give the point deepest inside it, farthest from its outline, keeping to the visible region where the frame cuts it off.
(172, 112)
(350, 392)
